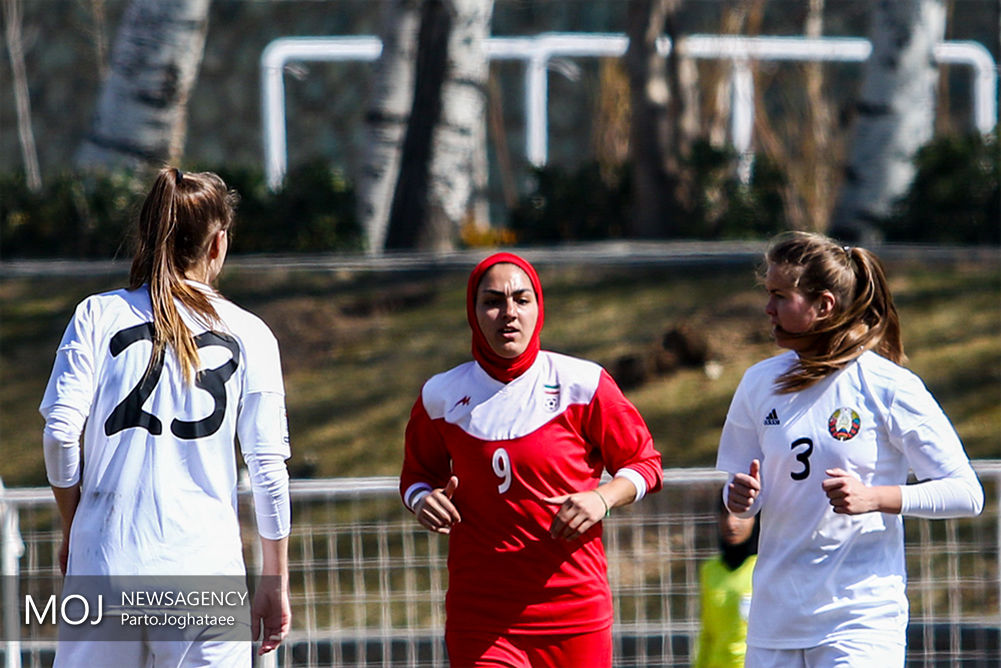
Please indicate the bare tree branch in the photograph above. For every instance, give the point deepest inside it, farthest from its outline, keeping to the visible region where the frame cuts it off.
(15, 49)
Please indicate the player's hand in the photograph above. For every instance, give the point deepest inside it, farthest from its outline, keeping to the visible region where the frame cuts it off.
(744, 489)
(270, 613)
(436, 512)
(578, 512)
(847, 494)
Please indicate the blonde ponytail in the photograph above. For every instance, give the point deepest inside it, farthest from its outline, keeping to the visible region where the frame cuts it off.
(180, 215)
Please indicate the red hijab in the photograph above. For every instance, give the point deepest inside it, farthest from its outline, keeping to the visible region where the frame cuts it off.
(503, 369)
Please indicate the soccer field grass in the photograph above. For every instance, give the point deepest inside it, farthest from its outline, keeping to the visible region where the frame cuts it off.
(358, 344)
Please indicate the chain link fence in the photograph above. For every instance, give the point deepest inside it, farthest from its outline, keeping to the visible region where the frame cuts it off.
(368, 583)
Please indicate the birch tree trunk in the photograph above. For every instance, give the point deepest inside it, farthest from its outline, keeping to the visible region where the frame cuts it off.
(896, 113)
(141, 113)
(458, 157)
(408, 212)
(436, 186)
(387, 118)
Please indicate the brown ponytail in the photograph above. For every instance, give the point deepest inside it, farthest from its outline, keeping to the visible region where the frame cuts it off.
(178, 219)
(864, 316)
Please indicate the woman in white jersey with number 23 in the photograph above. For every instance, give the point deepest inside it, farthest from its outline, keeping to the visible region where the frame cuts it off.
(820, 440)
(160, 379)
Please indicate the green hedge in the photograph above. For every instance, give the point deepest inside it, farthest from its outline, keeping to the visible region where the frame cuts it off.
(313, 212)
(956, 196)
(92, 216)
(955, 199)
(590, 203)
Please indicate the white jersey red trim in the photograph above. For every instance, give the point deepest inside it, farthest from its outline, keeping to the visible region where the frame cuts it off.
(551, 431)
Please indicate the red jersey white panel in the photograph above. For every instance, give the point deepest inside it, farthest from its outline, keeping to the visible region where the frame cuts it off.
(551, 431)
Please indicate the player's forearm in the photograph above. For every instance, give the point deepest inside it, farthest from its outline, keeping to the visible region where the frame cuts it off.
(67, 500)
(618, 492)
(274, 557)
(887, 499)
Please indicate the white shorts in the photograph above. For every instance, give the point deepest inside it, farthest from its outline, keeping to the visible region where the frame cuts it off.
(152, 652)
(836, 654)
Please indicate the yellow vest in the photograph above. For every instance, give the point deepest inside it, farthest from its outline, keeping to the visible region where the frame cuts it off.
(726, 600)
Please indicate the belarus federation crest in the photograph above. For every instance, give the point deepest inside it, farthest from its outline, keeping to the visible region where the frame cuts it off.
(843, 424)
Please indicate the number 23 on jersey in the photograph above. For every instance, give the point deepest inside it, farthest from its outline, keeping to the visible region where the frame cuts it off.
(129, 413)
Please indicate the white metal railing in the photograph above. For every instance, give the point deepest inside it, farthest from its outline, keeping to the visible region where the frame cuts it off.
(368, 582)
(539, 50)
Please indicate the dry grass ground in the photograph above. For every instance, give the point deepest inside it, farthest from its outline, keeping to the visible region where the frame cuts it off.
(356, 347)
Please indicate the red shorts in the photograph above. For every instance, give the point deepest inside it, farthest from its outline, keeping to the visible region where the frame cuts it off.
(467, 649)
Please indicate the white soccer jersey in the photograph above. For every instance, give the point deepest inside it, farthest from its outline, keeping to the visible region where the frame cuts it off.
(159, 480)
(822, 576)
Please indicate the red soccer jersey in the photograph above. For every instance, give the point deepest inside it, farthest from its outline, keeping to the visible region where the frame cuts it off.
(551, 431)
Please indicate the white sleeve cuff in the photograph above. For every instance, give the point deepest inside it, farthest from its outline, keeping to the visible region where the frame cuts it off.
(62, 461)
(272, 505)
(61, 444)
(636, 479)
(415, 493)
(960, 494)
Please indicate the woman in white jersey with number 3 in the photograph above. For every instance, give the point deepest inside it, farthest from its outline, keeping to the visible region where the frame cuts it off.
(160, 378)
(819, 440)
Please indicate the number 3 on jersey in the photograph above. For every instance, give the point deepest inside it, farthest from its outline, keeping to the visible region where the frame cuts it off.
(803, 457)
(502, 469)
(129, 412)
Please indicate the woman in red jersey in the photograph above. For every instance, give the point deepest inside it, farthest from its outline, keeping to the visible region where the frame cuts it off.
(505, 454)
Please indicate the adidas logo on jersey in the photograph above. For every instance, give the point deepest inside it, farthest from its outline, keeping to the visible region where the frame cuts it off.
(772, 418)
